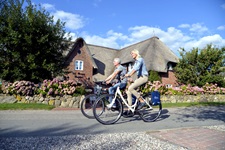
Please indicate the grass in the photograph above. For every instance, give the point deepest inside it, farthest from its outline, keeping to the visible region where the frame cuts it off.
(169, 105)
(25, 106)
(35, 106)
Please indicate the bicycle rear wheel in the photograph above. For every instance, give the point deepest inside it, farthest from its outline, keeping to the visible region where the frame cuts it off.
(87, 105)
(106, 115)
(150, 115)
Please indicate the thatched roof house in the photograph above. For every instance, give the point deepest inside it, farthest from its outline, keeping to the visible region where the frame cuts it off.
(157, 56)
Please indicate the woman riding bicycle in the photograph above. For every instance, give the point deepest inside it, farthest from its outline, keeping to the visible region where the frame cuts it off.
(142, 77)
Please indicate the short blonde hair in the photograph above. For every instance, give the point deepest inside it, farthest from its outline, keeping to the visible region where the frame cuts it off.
(135, 51)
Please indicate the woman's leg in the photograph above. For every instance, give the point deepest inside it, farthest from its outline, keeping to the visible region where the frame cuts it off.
(129, 97)
(132, 88)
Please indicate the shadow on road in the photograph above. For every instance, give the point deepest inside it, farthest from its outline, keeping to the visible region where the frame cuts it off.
(201, 113)
(164, 115)
(64, 129)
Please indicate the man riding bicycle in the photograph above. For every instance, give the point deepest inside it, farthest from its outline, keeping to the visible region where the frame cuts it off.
(116, 78)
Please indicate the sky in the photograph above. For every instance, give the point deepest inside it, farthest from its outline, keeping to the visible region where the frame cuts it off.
(116, 24)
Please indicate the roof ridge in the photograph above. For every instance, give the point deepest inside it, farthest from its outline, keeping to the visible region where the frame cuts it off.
(140, 42)
(102, 47)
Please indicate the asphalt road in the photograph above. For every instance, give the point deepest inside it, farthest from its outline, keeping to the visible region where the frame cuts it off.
(37, 123)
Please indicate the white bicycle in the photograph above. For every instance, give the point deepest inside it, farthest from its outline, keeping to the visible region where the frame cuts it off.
(105, 113)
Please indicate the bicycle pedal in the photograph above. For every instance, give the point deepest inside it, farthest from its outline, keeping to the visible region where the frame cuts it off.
(127, 114)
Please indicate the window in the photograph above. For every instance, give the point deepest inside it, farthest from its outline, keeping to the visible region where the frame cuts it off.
(78, 65)
(170, 66)
(169, 85)
(130, 66)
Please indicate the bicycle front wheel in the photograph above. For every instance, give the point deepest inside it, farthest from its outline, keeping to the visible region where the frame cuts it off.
(87, 105)
(106, 115)
(150, 115)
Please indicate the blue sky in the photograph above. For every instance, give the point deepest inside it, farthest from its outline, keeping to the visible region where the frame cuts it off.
(120, 23)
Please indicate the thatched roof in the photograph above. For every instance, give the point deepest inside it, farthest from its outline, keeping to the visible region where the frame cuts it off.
(103, 57)
(155, 53)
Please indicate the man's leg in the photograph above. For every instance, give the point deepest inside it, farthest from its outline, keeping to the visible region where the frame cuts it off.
(112, 90)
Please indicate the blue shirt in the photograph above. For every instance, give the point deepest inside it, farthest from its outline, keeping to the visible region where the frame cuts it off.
(140, 67)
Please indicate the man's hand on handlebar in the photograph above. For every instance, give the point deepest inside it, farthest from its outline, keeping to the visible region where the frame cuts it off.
(127, 75)
(108, 82)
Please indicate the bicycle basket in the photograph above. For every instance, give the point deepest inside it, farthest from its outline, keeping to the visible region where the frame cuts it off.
(155, 98)
(97, 89)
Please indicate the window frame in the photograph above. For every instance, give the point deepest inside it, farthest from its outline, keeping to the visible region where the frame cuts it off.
(79, 65)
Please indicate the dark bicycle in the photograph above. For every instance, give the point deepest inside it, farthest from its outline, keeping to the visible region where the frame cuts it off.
(88, 101)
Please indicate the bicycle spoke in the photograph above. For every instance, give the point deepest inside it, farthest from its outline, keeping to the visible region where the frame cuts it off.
(150, 115)
(87, 105)
(107, 115)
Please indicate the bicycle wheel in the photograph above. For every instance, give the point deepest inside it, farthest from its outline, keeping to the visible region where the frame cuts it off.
(150, 115)
(106, 115)
(87, 105)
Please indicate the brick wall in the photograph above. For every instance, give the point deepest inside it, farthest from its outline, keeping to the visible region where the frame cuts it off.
(80, 54)
(168, 78)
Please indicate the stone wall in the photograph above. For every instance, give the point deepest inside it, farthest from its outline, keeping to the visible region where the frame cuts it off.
(68, 101)
(192, 98)
(65, 101)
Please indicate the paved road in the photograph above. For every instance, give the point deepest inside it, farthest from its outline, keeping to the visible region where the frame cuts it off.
(39, 123)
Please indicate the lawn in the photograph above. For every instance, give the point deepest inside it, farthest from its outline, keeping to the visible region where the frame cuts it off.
(25, 106)
(168, 105)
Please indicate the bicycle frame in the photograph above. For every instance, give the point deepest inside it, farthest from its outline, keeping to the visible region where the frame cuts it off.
(132, 107)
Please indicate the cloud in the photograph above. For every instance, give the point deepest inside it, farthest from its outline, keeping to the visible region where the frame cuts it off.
(48, 6)
(111, 39)
(198, 27)
(221, 28)
(216, 40)
(106, 42)
(184, 26)
(73, 21)
(194, 28)
(96, 3)
(223, 6)
(172, 37)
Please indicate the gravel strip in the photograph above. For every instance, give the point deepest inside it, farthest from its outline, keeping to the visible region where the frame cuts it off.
(123, 141)
(218, 127)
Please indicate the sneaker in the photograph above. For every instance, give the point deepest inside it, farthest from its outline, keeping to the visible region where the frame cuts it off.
(141, 105)
(128, 113)
(113, 106)
(150, 108)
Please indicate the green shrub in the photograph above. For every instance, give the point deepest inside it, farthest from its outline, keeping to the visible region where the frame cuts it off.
(154, 76)
(1, 89)
(80, 90)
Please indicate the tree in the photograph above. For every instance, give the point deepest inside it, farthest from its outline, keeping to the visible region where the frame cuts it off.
(199, 67)
(31, 43)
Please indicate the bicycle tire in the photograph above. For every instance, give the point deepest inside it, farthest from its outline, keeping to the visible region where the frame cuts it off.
(150, 115)
(106, 115)
(87, 105)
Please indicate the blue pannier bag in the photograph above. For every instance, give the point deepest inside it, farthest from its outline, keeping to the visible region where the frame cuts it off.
(155, 98)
